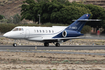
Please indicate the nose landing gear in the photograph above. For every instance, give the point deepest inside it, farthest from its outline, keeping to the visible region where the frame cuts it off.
(14, 44)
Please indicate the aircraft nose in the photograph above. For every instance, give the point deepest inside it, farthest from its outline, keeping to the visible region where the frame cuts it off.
(5, 35)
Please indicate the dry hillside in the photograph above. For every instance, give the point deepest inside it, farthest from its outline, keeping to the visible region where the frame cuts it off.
(96, 2)
(10, 7)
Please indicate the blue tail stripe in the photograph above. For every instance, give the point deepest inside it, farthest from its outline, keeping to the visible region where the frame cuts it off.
(78, 25)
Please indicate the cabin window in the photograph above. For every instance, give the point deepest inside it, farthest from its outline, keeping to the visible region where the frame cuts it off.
(43, 31)
(40, 30)
(37, 30)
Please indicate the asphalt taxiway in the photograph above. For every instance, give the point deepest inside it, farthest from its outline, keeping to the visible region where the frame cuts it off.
(92, 47)
(41, 49)
(35, 49)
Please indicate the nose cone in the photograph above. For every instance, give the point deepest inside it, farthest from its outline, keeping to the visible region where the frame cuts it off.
(6, 35)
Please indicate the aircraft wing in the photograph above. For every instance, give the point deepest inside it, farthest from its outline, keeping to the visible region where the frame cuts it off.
(65, 38)
(81, 37)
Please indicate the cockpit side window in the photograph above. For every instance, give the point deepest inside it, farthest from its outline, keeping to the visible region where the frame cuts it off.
(17, 29)
(20, 29)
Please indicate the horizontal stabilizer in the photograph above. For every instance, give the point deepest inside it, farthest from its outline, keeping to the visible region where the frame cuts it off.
(87, 20)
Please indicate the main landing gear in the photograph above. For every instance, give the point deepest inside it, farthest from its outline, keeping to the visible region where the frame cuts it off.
(47, 44)
(57, 44)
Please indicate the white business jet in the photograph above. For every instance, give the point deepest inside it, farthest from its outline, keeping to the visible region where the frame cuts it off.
(54, 34)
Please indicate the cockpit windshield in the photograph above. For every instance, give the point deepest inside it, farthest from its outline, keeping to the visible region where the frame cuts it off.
(17, 29)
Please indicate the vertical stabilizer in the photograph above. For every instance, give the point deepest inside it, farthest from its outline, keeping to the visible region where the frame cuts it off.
(78, 25)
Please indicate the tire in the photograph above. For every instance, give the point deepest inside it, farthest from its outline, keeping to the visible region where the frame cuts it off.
(46, 44)
(14, 44)
(57, 44)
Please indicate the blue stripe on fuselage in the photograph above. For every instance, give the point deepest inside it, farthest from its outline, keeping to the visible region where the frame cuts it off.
(70, 33)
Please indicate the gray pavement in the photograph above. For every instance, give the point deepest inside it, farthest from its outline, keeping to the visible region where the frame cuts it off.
(53, 48)
(41, 49)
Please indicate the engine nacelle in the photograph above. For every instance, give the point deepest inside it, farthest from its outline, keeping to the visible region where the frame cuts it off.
(64, 34)
(69, 33)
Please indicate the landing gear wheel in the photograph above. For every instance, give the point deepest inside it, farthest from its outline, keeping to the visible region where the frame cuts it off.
(46, 44)
(57, 44)
(14, 44)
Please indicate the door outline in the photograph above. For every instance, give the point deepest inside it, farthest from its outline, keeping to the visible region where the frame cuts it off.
(27, 33)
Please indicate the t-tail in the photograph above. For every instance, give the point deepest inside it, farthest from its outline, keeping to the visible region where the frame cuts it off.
(79, 23)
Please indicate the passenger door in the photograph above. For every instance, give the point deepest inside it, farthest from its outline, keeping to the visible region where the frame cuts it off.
(27, 33)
